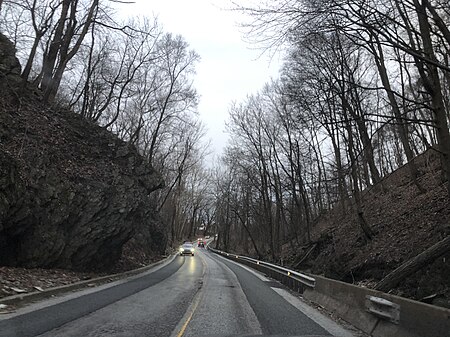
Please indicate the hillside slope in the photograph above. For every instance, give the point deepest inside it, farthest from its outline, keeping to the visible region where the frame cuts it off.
(405, 223)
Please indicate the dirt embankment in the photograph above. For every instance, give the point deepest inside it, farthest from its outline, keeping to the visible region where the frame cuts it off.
(405, 223)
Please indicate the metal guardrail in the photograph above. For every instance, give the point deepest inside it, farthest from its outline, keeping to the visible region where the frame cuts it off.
(383, 308)
(374, 312)
(287, 276)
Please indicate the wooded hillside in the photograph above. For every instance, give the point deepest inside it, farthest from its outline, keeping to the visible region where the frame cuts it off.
(405, 223)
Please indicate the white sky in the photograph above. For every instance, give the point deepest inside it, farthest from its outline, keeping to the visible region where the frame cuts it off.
(229, 69)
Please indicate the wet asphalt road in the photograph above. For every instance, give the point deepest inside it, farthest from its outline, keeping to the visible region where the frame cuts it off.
(204, 295)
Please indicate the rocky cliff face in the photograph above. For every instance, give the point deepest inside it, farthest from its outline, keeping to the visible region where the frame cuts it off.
(9, 65)
(71, 193)
(10, 68)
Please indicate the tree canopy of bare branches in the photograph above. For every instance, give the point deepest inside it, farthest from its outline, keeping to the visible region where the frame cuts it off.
(363, 90)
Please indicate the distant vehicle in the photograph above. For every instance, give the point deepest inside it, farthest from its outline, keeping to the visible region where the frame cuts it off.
(200, 243)
(207, 237)
(187, 249)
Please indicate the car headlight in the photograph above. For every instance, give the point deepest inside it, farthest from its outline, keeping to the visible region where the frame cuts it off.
(181, 249)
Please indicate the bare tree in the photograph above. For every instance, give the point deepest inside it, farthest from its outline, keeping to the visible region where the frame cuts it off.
(42, 16)
(175, 92)
(65, 42)
(392, 25)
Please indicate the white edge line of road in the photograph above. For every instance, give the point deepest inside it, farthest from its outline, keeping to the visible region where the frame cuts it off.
(78, 293)
(254, 272)
(327, 323)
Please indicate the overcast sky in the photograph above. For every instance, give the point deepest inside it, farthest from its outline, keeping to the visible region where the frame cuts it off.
(229, 69)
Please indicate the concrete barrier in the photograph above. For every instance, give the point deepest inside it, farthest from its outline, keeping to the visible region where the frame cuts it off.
(350, 303)
(376, 313)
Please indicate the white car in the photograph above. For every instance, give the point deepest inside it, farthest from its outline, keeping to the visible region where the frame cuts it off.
(187, 249)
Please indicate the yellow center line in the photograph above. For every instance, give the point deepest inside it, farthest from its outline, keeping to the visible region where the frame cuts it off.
(183, 328)
(198, 297)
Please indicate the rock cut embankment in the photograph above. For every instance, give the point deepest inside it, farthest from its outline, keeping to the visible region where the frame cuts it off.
(71, 193)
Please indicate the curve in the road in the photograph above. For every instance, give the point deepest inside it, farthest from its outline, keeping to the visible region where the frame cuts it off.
(205, 295)
(275, 314)
(221, 309)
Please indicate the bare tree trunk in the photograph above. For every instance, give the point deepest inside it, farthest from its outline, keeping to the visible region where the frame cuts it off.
(192, 221)
(305, 256)
(334, 135)
(295, 177)
(303, 194)
(411, 266)
(51, 54)
(60, 51)
(356, 192)
(279, 207)
(65, 54)
(40, 29)
(226, 233)
(401, 125)
(321, 168)
(27, 69)
(244, 225)
(366, 143)
(433, 86)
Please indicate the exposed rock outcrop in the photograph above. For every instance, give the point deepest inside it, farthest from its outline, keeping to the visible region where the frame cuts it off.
(9, 65)
(71, 193)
